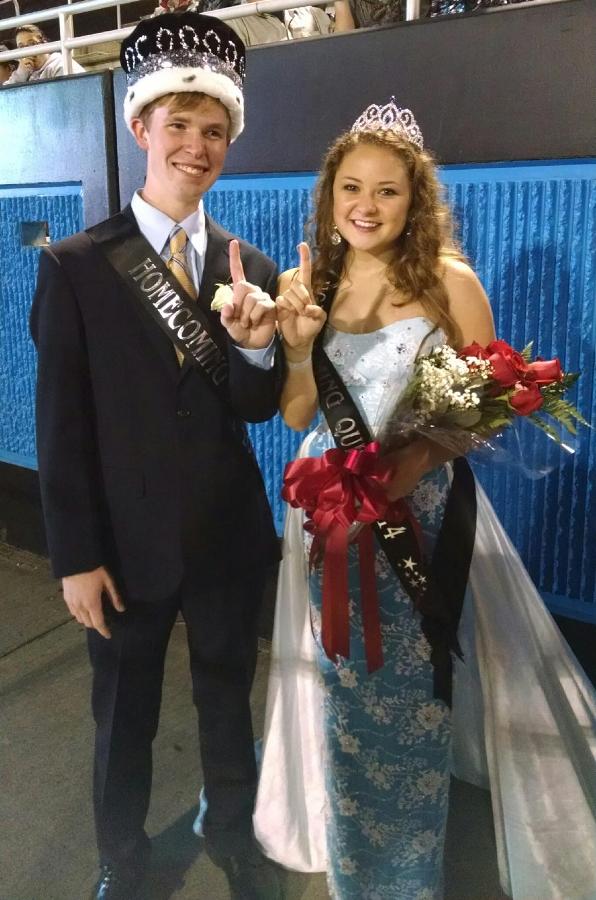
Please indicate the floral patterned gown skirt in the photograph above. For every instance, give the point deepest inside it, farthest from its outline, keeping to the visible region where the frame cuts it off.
(387, 742)
(387, 739)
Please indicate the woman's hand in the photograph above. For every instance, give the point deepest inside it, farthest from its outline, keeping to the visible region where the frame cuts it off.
(299, 317)
(411, 463)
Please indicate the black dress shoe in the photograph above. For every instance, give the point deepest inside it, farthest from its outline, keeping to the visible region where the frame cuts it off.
(251, 876)
(118, 884)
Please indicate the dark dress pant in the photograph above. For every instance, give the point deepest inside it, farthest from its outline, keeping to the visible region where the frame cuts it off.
(221, 622)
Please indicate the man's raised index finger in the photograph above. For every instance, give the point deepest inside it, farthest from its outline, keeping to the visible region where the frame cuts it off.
(236, 267)
(305, 267)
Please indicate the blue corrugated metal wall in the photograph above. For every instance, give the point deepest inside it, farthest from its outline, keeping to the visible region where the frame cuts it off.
(61, 206)
(530, 232)
(270, 212)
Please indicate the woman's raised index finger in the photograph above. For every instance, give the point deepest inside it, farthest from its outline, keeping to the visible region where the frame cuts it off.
(305, 267)
(236, 267)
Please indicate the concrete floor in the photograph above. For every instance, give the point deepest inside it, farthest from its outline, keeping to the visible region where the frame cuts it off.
(47, 848)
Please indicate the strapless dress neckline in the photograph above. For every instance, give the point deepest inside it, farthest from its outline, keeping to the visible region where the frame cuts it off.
(358, 334)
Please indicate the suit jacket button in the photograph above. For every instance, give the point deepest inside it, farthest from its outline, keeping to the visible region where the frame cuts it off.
(183, 413)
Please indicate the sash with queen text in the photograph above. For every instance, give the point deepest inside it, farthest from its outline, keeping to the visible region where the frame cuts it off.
(436, 587)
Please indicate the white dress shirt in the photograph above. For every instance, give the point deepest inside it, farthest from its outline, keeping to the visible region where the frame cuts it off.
(156, 227)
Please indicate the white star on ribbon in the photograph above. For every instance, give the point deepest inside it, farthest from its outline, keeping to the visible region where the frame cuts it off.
(409, 564)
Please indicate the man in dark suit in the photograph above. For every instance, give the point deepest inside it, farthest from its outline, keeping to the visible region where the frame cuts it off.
(153, 501)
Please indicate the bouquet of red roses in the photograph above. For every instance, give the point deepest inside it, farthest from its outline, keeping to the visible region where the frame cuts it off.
(461, 398)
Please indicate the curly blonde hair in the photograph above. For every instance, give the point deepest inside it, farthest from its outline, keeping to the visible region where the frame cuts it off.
(415, 269)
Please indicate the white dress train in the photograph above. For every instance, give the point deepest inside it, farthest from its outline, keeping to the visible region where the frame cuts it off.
(524, 725)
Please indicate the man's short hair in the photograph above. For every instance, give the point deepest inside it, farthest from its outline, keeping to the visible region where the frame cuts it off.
(179, 101)
(34, 30)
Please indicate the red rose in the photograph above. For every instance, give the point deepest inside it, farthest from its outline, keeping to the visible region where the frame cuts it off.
(544, 371)
(473, 349)
(526, 400)
(506, 351)
(504, 372)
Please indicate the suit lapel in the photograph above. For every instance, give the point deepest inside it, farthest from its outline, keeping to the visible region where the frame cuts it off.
(216, 269)
(158, 339)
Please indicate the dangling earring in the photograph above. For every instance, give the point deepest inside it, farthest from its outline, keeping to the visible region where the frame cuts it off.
(336, 237)
(408, 231)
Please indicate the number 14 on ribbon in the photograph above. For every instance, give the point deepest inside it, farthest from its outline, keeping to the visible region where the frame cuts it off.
(390, 531)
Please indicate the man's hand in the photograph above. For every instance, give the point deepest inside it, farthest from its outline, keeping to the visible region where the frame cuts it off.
(83, 595)
(300, 317)
(26, 68)
(250, 319)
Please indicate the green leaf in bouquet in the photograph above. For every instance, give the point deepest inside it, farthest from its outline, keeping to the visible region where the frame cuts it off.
(463, 418)
(494, 422)
(563, 412)
(545, 426)
(410, 394)
(527, 352)
(475, 382)
(558, 388)
(497, 407)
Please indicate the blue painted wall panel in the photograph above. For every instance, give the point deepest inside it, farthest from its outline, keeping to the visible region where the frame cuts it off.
(532, 240)
(269, 212)
(61, 207)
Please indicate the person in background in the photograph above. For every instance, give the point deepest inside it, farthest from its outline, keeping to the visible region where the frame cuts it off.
(351, 14)
(307, 21)
(261, 27)
(41, 66)
(6, 68)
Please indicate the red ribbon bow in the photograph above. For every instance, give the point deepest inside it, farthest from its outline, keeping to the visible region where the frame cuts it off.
(337, 490)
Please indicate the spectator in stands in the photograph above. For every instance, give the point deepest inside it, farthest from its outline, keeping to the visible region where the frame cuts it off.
(266, 28)
(39, 67)
(351, 14)
(262, 27)
(450, 7)
(6, 68)
(306, 21)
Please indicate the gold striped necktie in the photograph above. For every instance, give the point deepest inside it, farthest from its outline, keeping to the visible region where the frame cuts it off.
(178, 266)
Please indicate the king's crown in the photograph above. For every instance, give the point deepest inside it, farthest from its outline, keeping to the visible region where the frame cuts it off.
(390, 118)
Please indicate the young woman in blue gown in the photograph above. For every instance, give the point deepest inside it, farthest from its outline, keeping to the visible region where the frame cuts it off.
(356, 766)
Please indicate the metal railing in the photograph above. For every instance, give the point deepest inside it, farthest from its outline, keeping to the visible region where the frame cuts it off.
(67, 42)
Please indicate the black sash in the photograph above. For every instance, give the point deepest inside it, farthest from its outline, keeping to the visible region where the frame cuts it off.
(436, 590)
(162, 296)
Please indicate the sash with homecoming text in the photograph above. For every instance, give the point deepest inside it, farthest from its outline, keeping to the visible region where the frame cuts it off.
(161, 296)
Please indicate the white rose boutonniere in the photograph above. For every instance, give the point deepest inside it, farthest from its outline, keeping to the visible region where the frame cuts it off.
(223, 295)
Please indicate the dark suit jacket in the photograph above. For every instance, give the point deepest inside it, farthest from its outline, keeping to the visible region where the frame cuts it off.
(143, 467)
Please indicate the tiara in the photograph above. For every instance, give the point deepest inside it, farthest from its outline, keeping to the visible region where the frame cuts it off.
(390, 118)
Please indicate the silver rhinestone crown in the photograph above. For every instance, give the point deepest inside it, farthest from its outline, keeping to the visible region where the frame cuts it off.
(183, 47)
(390, 118)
